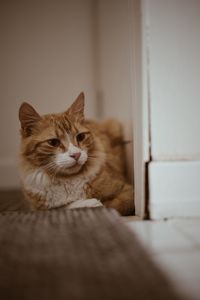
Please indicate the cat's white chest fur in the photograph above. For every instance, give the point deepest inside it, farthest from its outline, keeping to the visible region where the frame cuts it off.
(58, 193)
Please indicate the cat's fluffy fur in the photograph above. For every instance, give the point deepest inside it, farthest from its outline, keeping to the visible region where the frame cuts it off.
(65, 158)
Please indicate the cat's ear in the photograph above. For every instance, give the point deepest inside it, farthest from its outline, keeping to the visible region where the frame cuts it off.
(28, 118)
(77, 107)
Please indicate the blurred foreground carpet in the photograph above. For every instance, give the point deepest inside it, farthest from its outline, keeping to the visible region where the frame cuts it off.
(83, 254)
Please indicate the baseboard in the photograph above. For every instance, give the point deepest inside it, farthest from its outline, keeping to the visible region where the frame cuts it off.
(174, 189)
(9, 177)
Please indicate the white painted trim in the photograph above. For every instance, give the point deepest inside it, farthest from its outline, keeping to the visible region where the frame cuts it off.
(145, 80)
(139, 78)
(135, 74)
(174, 189)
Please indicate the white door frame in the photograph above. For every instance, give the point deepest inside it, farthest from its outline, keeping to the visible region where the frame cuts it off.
(140, 102)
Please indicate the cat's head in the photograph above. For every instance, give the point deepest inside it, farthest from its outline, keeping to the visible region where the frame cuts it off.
(59, 144)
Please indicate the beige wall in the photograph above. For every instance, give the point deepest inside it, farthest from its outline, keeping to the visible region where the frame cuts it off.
(46, 58)
(114, 68)
(53, 49)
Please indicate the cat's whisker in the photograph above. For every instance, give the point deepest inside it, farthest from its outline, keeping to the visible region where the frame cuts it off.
(61, 161)
(93, 156)
(55, 173)
(49, 165)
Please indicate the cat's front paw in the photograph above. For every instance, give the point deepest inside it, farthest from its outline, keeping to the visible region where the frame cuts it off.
(85, 203)
(92, 203)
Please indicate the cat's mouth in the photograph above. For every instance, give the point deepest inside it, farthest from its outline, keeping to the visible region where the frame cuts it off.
(73, 164)
(71, 169)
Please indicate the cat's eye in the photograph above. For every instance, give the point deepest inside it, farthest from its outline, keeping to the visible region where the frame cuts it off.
(54, 142)
(80, 137)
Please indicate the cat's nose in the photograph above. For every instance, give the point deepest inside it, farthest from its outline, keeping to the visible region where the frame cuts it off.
(76, 155)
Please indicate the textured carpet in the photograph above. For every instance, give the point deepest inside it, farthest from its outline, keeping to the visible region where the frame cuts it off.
(82, 254)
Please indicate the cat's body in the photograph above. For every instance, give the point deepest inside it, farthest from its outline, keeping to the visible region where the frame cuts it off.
(66, 160)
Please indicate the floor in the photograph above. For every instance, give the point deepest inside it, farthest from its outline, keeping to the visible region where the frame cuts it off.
(174, 245)
(80, 254)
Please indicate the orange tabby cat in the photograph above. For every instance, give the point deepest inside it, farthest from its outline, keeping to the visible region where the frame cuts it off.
(67, 160)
